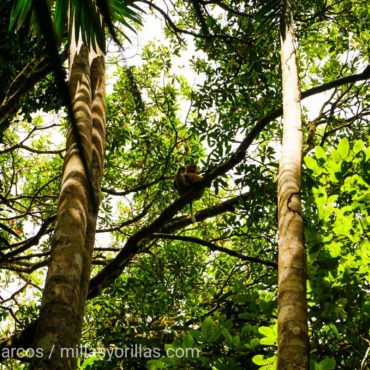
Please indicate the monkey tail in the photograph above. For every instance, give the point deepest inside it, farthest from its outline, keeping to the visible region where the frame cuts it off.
(193, 220)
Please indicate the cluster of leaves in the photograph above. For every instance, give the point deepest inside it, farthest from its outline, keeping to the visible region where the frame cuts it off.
(147, 136)
(337, 233)
(184, 299)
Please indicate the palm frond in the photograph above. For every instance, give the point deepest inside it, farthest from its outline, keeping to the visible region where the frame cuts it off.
(87, 18)
(20, 13)
(60, 18)
(122, 11)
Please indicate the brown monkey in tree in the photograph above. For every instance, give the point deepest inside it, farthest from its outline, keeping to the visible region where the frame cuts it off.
(186, 177)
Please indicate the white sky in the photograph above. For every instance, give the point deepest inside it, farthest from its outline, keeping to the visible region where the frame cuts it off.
(152, 31)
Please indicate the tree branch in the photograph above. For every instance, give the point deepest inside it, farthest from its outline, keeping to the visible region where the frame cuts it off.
(214, 247)
(178, 30)
(364, 75)
(25, 244)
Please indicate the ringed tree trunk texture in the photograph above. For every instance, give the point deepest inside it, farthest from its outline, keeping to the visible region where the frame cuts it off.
(61, 315)
(293, 340)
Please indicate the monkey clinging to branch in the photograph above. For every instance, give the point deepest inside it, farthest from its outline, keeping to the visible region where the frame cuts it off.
(186, 177)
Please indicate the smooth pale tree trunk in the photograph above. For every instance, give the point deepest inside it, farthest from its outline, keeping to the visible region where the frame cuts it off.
(60, 322)
(292, 304)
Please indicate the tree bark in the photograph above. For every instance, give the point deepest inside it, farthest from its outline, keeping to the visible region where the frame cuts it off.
(292, 303)
(61, 315)
(97, 76)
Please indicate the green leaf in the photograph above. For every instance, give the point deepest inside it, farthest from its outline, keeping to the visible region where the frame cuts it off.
(228, 337)
(89, 361)
(269, 335)
(311, 163)
(327, 364)
(157, 364)
(268, 341)
(236, 341)
(335, 155)
(334, 168)
(19, 14)
(60, 18)
(320, 153)
(358, 146)
(261, 360)
(188, 340)
(207, 328)
(266, 331)
(253, 343)
(343, 148)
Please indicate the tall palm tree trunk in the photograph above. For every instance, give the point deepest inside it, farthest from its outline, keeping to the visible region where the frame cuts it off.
(292, 304)
(97, 78)
(61, 315)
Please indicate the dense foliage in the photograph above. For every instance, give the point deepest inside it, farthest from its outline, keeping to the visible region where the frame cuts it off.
(209, 286)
